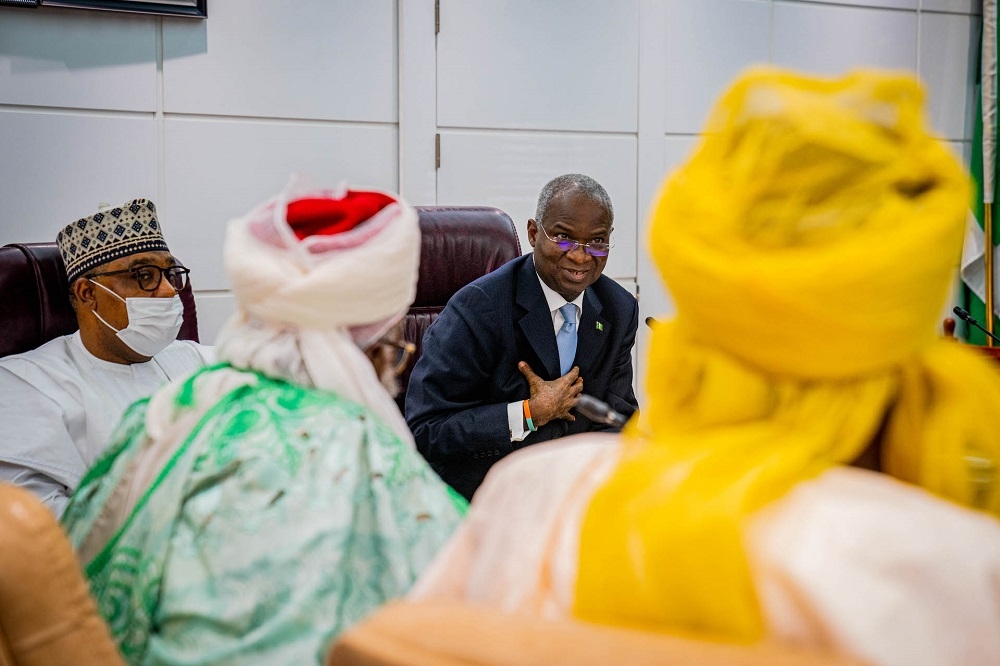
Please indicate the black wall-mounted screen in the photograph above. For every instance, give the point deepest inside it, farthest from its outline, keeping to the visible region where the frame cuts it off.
(189, 8)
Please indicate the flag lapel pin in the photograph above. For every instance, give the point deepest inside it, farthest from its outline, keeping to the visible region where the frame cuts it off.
(600, 326)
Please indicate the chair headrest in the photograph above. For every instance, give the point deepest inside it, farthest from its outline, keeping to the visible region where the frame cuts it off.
(33, 297)
(458, 245)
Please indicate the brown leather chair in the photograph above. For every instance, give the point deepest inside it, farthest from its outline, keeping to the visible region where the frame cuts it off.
(34, 299)
(46, 613)
(448, 634)
(458, 245)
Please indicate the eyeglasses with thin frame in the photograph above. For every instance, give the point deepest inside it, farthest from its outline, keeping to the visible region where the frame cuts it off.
(402, 352)
(148, 276)
(568, 245)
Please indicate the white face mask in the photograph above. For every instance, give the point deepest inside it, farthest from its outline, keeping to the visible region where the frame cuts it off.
(153, 323)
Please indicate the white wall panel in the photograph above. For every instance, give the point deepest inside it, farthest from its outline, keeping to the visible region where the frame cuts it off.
(825, 39)
(313, 59)
(654, 300)
(508, 170)
(960, 6)
(652, 101)
(707, 45)
(90, 60)
(523, 90)
(962, 150)
(216, 170)
(562, 64)
(214, 310)
(889, 4)
(417, 103)
(949, 49)
(57, 168)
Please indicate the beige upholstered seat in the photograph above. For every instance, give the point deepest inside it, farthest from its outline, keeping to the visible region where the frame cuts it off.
(47, 616)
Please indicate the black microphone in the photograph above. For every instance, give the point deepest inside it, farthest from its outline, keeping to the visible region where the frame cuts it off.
(650, 321)
(598, 411)
(968, 319)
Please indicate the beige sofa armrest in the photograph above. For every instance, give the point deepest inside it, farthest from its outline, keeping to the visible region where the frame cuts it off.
(47, 615)
(437, 634)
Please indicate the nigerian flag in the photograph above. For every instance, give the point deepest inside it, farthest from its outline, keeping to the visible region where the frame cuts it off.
(983, 166)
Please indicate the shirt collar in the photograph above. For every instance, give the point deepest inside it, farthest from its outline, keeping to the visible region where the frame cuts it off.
(555, 301)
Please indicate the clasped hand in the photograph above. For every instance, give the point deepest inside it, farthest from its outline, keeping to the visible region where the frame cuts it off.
(554, 399)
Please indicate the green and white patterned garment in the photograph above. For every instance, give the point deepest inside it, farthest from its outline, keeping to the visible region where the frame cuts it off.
(285, 516)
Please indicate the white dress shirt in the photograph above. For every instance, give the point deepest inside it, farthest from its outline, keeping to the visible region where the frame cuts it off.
(515, 410)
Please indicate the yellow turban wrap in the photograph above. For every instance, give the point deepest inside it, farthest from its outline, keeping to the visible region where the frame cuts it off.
(808, 245)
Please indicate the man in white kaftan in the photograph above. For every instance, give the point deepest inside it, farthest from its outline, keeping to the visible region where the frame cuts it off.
(60, 402)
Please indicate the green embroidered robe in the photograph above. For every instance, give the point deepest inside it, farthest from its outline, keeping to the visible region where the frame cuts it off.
(282, 517)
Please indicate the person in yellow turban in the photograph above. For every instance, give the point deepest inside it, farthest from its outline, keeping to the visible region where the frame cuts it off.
(815, 465)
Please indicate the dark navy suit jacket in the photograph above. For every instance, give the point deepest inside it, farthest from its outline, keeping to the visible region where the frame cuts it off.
(456, 402)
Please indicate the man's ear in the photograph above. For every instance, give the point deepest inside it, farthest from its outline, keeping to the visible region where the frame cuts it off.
(84, 291)
(532, 232)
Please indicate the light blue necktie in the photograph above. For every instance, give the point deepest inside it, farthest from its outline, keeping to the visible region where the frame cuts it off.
(566, 338)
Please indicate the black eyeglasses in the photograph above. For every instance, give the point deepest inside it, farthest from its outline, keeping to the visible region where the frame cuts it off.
(148, 277)
(568, 245)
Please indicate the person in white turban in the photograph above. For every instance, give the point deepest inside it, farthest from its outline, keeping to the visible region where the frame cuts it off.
(249, 513)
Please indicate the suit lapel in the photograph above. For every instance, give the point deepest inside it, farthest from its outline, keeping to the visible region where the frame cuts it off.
(591, 336)
(536, 320)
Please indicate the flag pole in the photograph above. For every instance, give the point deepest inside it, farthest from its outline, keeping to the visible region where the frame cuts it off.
(988, 89)
(988, 257)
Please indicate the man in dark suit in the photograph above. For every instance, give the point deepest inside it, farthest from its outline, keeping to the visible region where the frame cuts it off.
(503, 365)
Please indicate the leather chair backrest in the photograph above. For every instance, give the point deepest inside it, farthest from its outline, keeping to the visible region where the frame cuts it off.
(34, 299)
(458, 245)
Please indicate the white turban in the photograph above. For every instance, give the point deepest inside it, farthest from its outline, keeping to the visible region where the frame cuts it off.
(308, 305)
